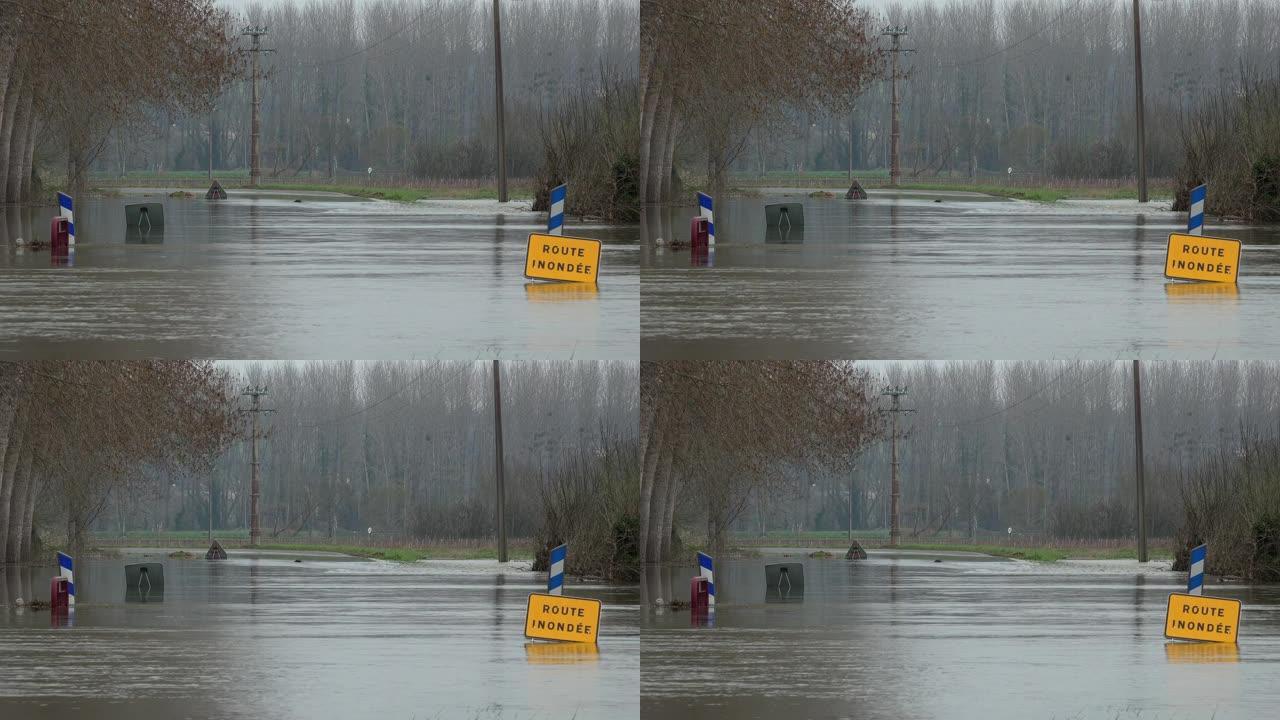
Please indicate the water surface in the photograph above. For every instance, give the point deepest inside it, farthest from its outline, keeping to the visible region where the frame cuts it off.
(331, 277)
(902, 276)
(901, 636)
(259, 636)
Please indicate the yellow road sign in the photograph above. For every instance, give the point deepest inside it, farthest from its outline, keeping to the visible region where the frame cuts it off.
(552, 257)
(560, 617)
(1199, 617)
(1191, 257)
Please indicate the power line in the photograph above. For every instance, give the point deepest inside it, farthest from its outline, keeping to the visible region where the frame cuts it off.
(982, 418)
(1015, 44)
(466, 367)
(398, 32)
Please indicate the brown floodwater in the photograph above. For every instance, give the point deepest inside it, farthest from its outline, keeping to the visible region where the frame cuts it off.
(331, 277)
(259, 635)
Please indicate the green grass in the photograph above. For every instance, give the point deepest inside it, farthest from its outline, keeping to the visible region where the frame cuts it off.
(1045, 554)
(746, 183)
(878, 539)
(400, 194)
(405, 554)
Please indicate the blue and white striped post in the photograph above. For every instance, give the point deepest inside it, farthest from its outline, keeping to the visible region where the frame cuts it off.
(65, 570)
(1195, 218)
(705, 570)
(64, 210)
(705, 210)
(555, 576)
(1195, 574)
(555, 220)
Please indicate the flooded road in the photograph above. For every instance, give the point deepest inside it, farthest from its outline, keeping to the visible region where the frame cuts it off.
(331, 277)
(901, 636)
(902, 276)
(260, 636)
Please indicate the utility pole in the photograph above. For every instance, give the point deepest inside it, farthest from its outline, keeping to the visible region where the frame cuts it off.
(1141, 113)
(501, 111)
(498, 463)
(1137, 445)
(895, 492)
(896, 33)
(255, 483)
(255, 170)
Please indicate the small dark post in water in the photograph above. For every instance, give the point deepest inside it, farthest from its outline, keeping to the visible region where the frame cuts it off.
(497, 438)
(1137, 446)
(497, 75)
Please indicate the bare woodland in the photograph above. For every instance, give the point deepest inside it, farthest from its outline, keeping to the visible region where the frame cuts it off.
(1046, 450)
(1042, 88)
(719, 435)
(711, 71)
(75, 434)
(72, 72)
(407, 450)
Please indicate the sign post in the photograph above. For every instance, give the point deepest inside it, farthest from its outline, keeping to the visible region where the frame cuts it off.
(706, 570)
(1194, 257)
(706, 210)
(65, 209)
(569, 259)
(555, 220)
(555, 574)
(65, 569)
(1195, 217)
(557, 617)
(1195, 573)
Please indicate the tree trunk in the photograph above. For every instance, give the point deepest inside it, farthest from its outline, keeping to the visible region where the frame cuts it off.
(668, 519)
(26, 535)
(652, 444)
(18, 501)
(8, 447)
(661, 129)
(26, 186)
(658, 500)
(648, 111)
(668, 158)
(8, 153)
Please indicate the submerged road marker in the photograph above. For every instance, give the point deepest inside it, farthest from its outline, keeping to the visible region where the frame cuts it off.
(706, 569)
(1195, 573)
(555, 574)
(1197, 617)
(1195, 215)
(552, 257)
(706, 210)
(66, 569)
(555, 219)
(65, 209)
(558, 617)
(1192, 257)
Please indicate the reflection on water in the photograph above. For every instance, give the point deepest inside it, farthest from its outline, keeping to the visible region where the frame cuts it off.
(899, 635)
(258, 275)
(259, 635)
(902, 276)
